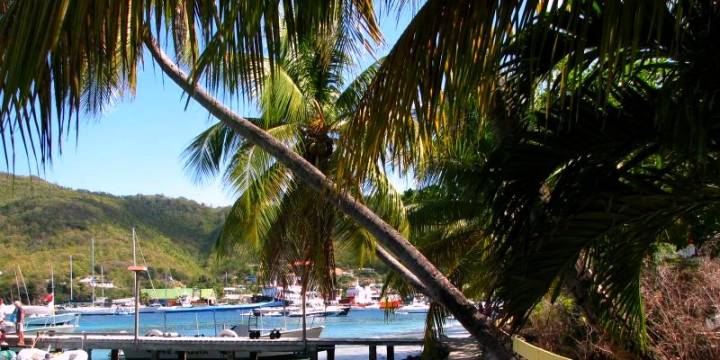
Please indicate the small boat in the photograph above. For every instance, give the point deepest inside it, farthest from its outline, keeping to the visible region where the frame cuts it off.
(39, 323)
(416, 307)
(244, 331)
(42, 317)
(220, 308)
(328, 311)
(59, 322)
(389, 304)
(93, 310)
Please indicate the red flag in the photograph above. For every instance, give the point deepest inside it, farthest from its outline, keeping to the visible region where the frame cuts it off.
(48, 298)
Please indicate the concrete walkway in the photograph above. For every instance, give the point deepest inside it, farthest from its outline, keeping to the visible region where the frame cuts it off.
(463, 349)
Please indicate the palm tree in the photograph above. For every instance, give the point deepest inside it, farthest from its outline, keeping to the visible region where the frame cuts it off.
(606, 140)
(59, 58)
(304, 103)
(447, 219)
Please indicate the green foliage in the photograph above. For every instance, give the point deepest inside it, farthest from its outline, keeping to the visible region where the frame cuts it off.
(305, 103)
(42, 225)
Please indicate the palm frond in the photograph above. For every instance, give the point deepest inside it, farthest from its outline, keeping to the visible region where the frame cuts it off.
(245, 32)
(452, 50)
(349, 100)
(283, 101)
(62, 58)
(256, 211)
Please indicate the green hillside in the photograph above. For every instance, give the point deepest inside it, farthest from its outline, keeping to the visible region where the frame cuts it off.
(42, 224)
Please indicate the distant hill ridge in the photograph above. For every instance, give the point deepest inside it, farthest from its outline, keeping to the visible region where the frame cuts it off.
(42, 224)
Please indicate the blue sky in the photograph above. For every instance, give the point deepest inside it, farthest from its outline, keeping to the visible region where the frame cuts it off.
(135, 147)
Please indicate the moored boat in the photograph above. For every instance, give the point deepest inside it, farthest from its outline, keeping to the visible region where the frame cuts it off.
(418, 306)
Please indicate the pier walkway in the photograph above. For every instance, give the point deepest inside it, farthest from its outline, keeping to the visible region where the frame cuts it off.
(227, 348)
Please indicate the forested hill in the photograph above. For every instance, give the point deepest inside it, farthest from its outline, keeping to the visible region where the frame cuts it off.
(42, 224)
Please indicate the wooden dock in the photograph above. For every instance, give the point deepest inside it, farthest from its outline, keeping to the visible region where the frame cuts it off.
(186, 347)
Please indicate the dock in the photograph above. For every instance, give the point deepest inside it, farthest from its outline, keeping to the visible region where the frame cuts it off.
(209, 347)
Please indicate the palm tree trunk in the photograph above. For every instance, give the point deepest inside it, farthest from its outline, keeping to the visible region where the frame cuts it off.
(391, 261)
(495, 342)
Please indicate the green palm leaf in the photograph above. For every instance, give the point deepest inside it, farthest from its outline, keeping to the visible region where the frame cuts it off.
(62, 58)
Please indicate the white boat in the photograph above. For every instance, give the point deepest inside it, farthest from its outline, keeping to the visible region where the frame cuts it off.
(92, 310)
(59, 322)
(63, 323)
(416, 307)
(243, 331)
(42, 317)
(327, 311)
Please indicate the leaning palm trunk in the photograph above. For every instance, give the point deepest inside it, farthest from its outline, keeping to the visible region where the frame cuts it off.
(495, 343)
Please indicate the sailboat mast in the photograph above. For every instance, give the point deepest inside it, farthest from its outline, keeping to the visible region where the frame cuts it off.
(92, 266)
(27, 294)
(17, 283)
(102, 281)
(71, 279)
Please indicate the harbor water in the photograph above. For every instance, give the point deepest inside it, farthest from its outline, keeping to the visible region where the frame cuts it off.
(370, 323)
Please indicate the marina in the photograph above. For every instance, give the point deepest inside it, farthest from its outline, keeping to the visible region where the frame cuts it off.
(204, 336)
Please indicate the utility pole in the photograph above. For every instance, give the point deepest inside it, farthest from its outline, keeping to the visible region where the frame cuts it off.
(102, 281)
(135, 269)
(71, 280)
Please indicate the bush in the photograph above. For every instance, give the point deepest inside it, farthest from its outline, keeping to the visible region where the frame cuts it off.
(678, 300)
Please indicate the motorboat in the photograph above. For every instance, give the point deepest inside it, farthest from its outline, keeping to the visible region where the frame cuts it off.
(93, 310)
(220, 308)
(327, 311)
(418, 306)
(414, 308)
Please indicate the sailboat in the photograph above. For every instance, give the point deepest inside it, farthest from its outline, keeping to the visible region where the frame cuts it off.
(91, 309)
(44, 318)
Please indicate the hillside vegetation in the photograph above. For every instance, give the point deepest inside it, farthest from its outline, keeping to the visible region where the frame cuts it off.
(42, 224)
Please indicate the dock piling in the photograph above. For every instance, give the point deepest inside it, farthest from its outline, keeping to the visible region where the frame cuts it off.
(390, 352)
(331, 353)
(373, 352)
(114, 354)
(182, 355)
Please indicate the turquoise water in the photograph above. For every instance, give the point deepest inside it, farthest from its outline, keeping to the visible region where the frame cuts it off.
(359, 323)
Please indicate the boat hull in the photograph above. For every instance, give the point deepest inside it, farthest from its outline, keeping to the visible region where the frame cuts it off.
(95, 310)
(220, 308)
(62, 323)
